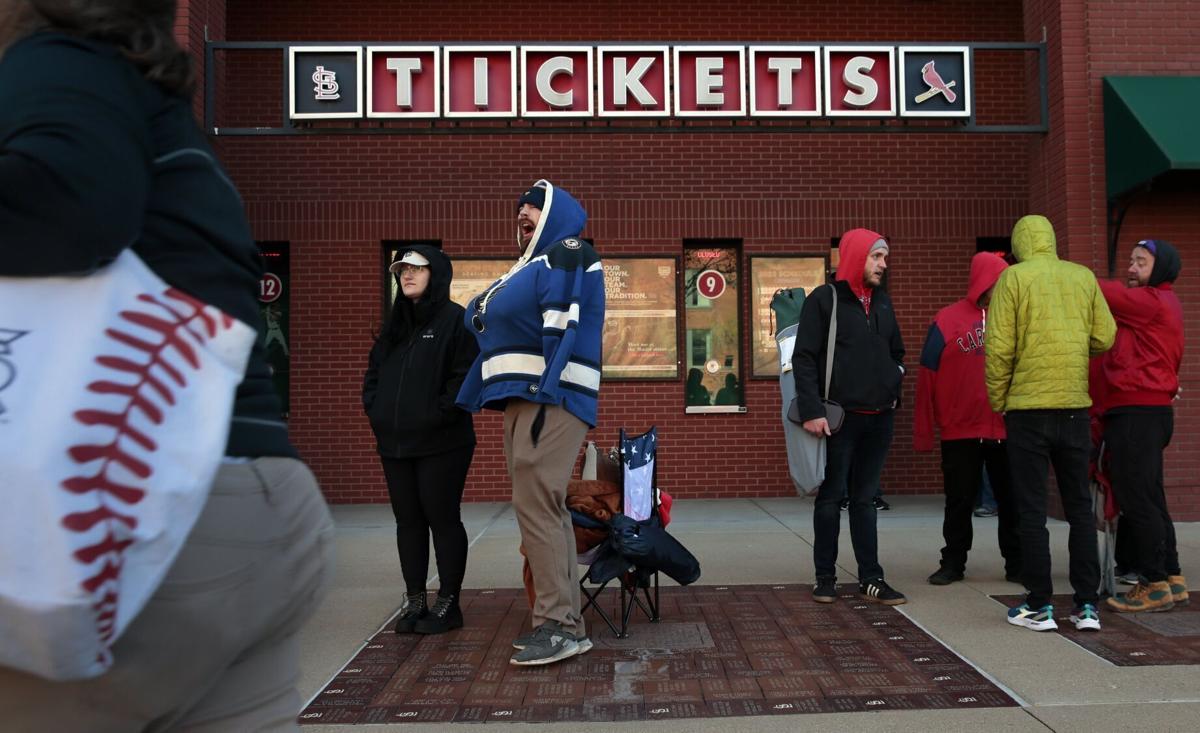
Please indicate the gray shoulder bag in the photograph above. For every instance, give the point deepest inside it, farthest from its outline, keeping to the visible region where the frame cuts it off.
(834, 413)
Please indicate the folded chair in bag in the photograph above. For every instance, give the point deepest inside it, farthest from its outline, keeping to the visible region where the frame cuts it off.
(638, 502)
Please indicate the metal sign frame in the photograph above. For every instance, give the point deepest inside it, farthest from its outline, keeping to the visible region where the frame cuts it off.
(509, 124)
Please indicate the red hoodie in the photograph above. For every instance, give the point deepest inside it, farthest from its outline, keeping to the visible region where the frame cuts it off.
(853, 249)
(950, 385)
(1142, 367)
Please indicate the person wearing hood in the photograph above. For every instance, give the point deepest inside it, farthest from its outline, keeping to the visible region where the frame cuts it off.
(1139, 378)
(951, 396)
(867, 372)
(425, 441)
(539, 329)
(1047, 318)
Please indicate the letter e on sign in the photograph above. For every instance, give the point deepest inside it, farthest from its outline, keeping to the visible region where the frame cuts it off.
(710, 284)
(270, 287)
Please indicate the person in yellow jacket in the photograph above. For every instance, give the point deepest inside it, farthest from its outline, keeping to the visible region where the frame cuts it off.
(1047, 318)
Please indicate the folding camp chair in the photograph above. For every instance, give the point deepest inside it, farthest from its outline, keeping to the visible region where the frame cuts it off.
(639, 501)
(1104, 504)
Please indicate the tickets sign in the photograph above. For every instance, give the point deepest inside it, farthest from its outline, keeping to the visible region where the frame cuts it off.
(618, 80)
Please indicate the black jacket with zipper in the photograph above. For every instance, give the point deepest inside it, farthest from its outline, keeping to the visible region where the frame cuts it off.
(415, 370)
(867, 359)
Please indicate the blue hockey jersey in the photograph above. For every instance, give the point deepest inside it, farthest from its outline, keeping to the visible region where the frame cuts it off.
(539, 325)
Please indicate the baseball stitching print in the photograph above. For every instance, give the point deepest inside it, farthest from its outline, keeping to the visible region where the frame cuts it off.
(178, 323)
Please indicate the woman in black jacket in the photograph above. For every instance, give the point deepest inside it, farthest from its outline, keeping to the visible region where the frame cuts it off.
(425, 443)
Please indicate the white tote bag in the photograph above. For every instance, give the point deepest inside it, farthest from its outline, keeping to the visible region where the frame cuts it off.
(116, 392)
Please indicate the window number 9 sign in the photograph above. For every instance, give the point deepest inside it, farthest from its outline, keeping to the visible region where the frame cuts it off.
(270, 287)
(710, 284)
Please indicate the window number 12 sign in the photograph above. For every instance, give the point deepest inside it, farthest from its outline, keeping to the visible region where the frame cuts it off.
(270, 287)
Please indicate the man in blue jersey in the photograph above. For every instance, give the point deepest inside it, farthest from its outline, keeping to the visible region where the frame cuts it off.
(539, 329)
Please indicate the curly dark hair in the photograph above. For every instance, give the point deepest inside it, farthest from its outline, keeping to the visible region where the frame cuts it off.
(144, 31)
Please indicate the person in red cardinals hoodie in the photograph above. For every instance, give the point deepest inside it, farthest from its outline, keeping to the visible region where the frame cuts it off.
(867, 372)
(1138, 379)
(951, 394)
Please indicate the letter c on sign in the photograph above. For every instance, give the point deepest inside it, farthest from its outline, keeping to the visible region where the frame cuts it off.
(863, 89)
(552, 68)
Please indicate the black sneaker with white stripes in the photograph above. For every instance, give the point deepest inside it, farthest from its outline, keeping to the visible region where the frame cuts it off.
(877, 590)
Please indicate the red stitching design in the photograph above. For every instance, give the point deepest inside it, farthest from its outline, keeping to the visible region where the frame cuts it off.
(177, 321)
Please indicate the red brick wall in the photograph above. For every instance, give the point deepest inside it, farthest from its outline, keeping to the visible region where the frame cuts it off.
(1118, 46)
(334, 198)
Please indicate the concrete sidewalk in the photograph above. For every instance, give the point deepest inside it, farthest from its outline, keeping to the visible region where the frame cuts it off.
(1061, 686)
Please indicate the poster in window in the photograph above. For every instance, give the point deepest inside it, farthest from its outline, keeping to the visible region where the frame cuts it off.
(767, 275)
(472, 277)
(639, 318)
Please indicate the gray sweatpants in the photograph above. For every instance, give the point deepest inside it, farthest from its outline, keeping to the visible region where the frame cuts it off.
(215, 648)
(539, 476)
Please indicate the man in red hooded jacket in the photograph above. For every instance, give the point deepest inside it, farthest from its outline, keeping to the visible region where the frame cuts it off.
(867, 372)
(1138, 379)
(951, 394)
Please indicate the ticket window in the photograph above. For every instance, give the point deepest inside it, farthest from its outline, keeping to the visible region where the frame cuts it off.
(712, 321)
(274, 300)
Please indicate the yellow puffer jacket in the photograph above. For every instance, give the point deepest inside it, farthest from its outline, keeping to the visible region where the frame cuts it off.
(1047, 318)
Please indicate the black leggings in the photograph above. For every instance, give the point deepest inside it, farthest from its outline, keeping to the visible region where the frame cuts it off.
(426, 493)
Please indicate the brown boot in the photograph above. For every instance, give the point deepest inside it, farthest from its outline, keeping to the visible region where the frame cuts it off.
(1143, 597)
(1178, 589)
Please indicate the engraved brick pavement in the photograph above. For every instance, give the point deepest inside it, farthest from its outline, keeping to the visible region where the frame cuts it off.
(718, 651)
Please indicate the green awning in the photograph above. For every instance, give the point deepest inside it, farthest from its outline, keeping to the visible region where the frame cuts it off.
(1151, 126)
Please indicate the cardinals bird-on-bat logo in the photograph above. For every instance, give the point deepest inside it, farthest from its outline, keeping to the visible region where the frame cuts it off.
(933, 80)
(8, 372)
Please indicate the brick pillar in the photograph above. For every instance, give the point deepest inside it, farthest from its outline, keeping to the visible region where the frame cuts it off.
(1060, 180)
(192, 20)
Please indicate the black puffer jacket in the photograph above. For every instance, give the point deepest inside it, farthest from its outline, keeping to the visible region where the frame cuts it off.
(415, 370)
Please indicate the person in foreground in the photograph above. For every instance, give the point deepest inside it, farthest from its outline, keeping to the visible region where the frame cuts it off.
(1048, 318)
(867, 372)
(539, 330)
(425, 442)
(98, 152)
(1139, 378)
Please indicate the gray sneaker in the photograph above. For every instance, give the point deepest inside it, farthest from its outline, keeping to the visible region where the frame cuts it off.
(548, 644)
(524, 640)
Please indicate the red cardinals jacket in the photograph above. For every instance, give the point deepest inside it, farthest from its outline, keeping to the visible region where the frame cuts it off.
(1142, 367)
(950, 387)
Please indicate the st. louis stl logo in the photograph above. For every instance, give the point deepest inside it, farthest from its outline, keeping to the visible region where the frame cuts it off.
(8, 370)
(326, 84)
(933, 80)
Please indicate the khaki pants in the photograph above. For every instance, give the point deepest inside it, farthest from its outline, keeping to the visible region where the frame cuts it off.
(215, 648)
(539, 476)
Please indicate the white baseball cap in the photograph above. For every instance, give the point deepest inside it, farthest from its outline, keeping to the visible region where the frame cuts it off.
(410, 257)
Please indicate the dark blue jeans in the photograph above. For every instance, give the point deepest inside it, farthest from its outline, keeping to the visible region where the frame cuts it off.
(853, 463)
(963, 462)
(1038, 439)
(1135, 439)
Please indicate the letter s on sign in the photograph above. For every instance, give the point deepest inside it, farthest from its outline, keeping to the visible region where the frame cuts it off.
(863, 89)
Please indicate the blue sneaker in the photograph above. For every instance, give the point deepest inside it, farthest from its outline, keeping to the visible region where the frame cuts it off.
(1085, 618)
(1041, 619)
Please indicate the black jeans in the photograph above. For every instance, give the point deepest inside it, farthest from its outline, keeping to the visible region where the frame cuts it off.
(963, 462)
(1135, 439)
(862, 445)
(426, 494)
(1038, 439)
